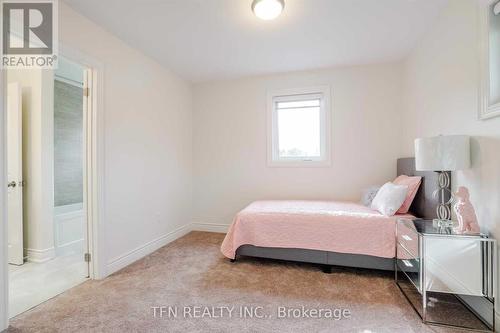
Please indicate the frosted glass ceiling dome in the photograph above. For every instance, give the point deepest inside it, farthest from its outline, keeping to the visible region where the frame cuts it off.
(268, 9)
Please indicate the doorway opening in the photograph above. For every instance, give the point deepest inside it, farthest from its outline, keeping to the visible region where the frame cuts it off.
(47, 161)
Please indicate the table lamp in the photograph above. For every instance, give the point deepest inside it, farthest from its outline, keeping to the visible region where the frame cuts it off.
(442, 154)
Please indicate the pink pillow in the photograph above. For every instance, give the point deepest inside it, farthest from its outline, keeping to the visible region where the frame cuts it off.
(413, 184)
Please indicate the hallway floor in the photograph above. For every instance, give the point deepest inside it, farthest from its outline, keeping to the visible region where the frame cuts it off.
(34, 283)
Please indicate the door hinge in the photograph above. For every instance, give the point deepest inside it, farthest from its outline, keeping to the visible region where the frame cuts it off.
(87, 257)
(86, 92)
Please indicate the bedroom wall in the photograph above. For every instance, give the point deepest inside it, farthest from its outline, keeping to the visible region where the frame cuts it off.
(229, 140)
(148, 150)
(442, 98)
(442, 76)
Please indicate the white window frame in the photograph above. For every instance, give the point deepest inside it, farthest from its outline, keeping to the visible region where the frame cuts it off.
(274, 96)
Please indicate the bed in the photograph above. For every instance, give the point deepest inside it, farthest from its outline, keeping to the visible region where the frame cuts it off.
(329, 233)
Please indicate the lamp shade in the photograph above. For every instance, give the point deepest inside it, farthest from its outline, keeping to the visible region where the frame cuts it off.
(442, 153)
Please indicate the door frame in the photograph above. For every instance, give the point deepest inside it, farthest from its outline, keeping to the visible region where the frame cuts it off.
(94, 181)
(15, 257)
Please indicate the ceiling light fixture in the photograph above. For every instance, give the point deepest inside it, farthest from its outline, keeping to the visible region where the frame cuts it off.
(496, 9)
(268, 9)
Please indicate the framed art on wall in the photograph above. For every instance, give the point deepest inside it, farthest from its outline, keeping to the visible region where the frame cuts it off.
(489, 90)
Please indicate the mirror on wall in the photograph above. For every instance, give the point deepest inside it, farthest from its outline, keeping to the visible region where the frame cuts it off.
(490, 55)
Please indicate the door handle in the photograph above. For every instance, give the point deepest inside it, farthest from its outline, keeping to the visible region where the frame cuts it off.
(12, 184)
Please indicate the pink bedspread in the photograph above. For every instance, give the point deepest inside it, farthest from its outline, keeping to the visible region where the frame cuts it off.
(344, 227)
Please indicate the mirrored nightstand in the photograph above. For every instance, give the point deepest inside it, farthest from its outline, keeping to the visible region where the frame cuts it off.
(448, 278)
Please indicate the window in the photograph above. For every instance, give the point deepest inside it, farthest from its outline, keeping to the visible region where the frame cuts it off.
(299, 127)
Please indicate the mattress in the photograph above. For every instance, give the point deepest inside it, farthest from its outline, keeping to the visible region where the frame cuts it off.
(334, 226)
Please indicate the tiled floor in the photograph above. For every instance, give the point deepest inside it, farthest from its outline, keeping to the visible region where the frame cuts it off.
(32, 283)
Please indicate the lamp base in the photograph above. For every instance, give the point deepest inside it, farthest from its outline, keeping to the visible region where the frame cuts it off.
(442, 223)
(443, 210)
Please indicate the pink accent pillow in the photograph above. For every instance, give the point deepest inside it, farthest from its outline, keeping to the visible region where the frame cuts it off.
(413, 184)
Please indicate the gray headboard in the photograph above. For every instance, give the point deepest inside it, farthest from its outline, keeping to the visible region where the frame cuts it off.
(424, 205)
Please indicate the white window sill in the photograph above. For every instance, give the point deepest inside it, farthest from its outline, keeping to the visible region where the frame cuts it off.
(299, 164)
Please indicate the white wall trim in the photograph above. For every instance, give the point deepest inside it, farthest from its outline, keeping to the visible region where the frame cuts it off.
(140, 252)
(71, 243)
(65, 217)
(40, 256)
(210, 227)
(71, 247)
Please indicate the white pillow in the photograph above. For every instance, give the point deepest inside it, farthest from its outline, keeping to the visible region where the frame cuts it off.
(368, 194)
(389, 198)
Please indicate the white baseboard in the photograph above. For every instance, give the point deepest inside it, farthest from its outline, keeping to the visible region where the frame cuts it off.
(210, 227)
(72, 247)
(140, 252)
(40, 256)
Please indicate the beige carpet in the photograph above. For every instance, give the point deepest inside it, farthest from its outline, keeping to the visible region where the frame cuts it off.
(192, 272)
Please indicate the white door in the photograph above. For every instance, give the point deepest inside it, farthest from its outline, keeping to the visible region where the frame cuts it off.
(15, 173)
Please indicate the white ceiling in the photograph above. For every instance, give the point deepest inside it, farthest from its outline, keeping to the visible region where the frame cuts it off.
(203, 40)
